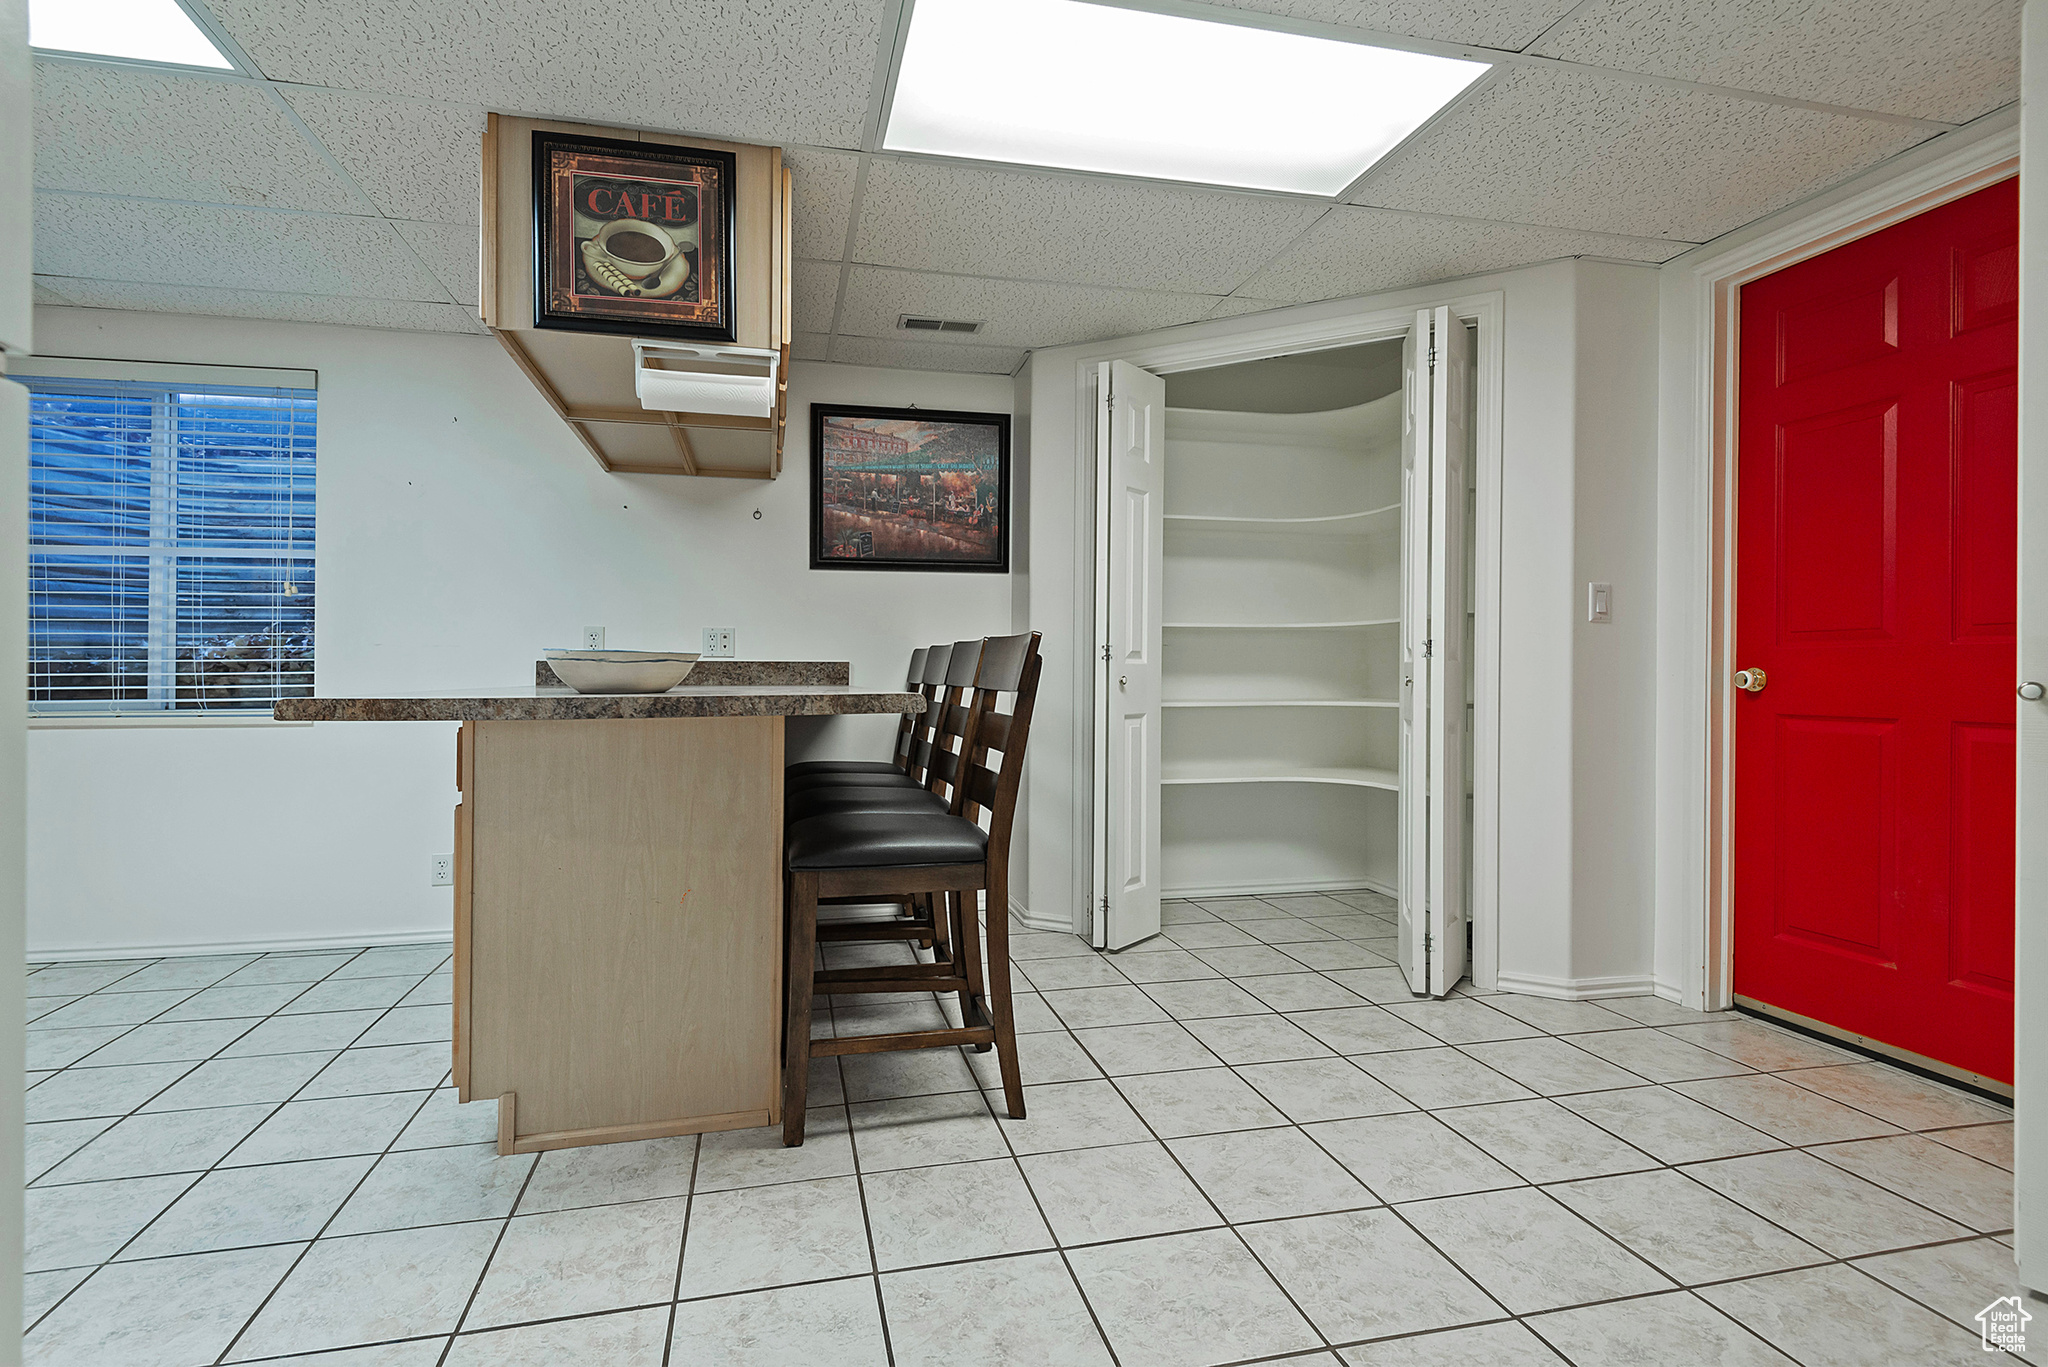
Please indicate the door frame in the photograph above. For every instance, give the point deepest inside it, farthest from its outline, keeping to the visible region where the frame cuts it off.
(1485, 310)
(1696, 726)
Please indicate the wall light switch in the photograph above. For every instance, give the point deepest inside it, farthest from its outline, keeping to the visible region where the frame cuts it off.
(718, 643)
(593, 638)
(1599, 602)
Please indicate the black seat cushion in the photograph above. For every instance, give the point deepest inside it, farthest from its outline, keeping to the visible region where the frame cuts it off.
(868, 840)
(801, 806)
(840, 766)
(895, 778)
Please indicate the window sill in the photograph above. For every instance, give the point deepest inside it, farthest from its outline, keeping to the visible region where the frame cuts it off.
(86, 722)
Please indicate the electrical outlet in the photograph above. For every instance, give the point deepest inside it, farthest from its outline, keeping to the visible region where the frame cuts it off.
(442, 873)
(593, 638)
(719, 643)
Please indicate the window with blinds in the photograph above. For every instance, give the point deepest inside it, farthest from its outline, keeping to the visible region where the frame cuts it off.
(170, 546)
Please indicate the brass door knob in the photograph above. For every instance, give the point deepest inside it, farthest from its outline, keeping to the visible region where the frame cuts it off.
(1750, 680)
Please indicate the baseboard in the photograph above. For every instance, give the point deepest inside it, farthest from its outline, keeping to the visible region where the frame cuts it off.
(1254, 889)
(1575, 989)
(1021, 914)
(188, 949)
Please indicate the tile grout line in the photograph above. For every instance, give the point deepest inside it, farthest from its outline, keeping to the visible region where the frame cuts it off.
(202, 1174)
(668, 1338)
(1072, 1033)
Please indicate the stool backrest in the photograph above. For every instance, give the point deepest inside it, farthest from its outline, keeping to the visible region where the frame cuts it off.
(950, 717)
(932, 681)
(1009, 665)
(906, 730)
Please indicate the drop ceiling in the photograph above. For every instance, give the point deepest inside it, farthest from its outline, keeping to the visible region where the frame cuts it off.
(337, 181)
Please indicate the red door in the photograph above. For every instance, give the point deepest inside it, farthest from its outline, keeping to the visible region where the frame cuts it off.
(1877, 591)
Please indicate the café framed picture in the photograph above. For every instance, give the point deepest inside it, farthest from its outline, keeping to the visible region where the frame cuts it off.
(632, 238)
(909, 489)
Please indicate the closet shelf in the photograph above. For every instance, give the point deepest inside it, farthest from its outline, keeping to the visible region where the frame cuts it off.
(1224, 771)
(1283, 626)
(1280, 702)
(1336, 524)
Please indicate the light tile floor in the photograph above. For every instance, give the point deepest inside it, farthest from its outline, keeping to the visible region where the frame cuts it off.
(1246, 1142)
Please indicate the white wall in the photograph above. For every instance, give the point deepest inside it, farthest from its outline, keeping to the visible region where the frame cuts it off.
(1578, 493)
(461, 528)
(16, 155)
(2030, 1077)
(1614, 664)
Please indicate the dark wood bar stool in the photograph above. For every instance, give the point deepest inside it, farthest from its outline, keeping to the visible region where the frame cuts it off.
(945, 855)
(905, 734)
(912, 742)
(933, 761)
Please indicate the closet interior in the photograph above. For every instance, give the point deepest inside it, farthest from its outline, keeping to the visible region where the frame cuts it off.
(1282, 600)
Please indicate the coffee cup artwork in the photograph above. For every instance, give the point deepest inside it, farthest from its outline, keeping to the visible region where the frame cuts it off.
(635, 237)
(637, 259)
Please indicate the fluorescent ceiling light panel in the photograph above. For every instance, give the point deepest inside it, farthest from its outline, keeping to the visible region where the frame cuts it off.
(137, 30)
(1128, 92)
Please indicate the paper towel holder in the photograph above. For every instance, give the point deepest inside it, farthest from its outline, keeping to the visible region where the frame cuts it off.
(683, 377)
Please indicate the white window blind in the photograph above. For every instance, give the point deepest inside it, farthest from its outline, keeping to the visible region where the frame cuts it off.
(170, 546)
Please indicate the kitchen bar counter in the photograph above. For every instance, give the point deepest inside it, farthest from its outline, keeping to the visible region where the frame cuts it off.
(562, 704)
(618, 895)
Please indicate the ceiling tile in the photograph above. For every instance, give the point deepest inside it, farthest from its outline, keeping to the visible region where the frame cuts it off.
(450, 251)
(46, 293)
(1576, 150)
(1362, 251)
(898, 355)
(1932, 59)
(813, 295)
(1236, 305)
(415, 159)
(769, 71)
(1017, 313)
(821, 188)
(809, 346)
(119, 130)
(226, 248)
(936, 216)
(1488, 23)
(404, 314)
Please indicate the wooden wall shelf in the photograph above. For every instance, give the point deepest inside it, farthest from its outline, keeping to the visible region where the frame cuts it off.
(587, 377)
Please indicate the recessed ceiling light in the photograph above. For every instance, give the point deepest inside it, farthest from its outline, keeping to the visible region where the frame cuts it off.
(136, 30)
(1096, 87)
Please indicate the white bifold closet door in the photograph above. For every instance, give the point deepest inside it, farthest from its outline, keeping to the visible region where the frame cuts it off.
(1130, 611)
(1435, 447)
(1130, 464)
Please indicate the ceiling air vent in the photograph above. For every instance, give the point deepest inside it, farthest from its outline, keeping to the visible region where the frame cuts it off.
(910, 322)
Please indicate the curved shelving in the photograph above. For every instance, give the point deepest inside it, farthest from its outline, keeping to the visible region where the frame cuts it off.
(1283, 626)
(1336, 524)
(1280, 702)
(1215, 772)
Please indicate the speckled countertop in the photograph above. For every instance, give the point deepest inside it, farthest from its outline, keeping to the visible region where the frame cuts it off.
(561, 704)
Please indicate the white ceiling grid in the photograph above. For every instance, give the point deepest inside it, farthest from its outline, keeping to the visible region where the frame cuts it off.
(340, 184)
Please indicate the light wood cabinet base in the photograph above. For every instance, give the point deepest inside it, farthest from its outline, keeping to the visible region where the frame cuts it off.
(618, 927)
(510, 1141)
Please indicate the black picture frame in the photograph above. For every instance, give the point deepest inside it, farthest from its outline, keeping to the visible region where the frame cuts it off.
(564, 298)
(937, 510)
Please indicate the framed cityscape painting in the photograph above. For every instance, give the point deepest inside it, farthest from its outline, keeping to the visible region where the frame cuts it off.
(633, 238)
(909, 489)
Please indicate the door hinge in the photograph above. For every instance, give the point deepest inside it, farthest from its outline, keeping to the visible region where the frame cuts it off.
(1105, 906)
(1432, 356)
(1428, 649)
(1105, 652)
(1109, 401)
